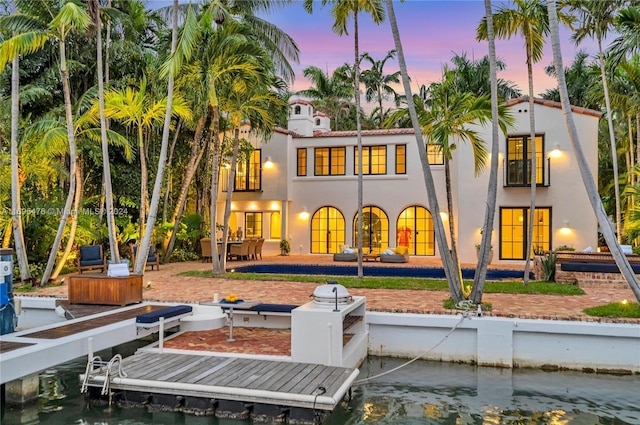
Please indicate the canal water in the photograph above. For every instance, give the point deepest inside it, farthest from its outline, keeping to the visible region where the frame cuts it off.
(421, 393)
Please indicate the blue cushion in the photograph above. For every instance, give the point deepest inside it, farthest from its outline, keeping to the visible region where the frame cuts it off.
(91, 262)
(274, 308)
(166, 313)
(90, 253)
(595, 267)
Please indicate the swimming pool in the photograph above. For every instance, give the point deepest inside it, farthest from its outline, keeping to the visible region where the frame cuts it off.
(379, 271)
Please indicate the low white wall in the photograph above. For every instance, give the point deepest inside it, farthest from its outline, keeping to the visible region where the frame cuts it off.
(33, 312)
(506, 342)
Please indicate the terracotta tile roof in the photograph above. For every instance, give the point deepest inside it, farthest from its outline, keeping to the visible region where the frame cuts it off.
(553, 104)
(353, 133)
(285, 131)
(301, 102)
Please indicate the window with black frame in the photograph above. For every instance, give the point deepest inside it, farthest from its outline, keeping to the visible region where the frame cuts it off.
(518, 164)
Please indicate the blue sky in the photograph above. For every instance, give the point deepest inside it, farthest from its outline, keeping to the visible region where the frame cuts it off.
(431, 31)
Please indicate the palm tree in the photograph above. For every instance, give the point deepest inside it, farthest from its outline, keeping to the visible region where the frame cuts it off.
(342, 9)
(33, 36)
(596, 18)
(136, 107)
(492, 190)
(587, 177)
(331, 94)
(453, 278)
(377, 83)
(579, 76)
(628, 25)
(529, 19)
(473, 76)
(94, 10)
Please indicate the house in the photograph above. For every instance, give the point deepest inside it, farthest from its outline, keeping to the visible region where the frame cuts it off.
(302, 185)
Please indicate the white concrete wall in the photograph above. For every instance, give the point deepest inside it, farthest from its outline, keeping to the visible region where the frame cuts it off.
(505, 342)
(566, 194)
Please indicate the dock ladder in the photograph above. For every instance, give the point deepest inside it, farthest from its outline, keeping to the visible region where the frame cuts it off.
(97, 367)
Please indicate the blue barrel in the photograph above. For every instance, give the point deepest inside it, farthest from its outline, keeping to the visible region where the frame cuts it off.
(8, 316)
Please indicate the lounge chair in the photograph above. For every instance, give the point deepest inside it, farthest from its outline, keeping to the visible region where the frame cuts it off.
(152, 258)
(91, 257)
(395, 255)
(346, 254)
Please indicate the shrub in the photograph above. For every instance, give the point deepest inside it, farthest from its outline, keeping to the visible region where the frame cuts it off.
(549, 267)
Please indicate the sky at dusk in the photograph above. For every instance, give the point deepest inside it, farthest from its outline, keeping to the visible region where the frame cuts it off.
(431, 32)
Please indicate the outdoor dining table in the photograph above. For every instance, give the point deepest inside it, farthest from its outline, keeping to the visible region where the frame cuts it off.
(240, 305)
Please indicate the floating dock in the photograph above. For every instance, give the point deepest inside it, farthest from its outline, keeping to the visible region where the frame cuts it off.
(262, 390)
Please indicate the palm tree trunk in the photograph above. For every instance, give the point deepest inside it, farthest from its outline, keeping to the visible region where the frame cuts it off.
(612, 140)
(492, 189)
(18, 234)
(169, 184)
(106, 164)
(192, 166)
(232, 178)
(218, 259)
(74, 223)
(587, 176)
(452, 229)
(534, 170)
(155, 199)
(64, 74)
(143, 184)
(359, 138)
(455, 285)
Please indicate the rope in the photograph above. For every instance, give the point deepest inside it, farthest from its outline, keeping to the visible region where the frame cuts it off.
(362, 381)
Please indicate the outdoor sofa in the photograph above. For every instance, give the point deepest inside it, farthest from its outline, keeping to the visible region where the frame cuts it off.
(395, 255)
(346, 254)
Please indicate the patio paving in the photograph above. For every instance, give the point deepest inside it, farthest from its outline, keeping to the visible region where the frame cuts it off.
(167, 286)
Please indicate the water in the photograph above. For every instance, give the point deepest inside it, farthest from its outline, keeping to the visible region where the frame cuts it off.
(422, 393)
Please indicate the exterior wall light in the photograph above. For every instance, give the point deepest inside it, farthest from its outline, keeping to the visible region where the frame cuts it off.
(268, 163)
(304, 214)
(556, 152)
(565, 229)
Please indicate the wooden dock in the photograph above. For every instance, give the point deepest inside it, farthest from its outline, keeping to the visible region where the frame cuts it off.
(226, 386)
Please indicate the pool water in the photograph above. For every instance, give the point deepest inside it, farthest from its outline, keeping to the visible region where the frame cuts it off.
(421, 393)
(380, 271)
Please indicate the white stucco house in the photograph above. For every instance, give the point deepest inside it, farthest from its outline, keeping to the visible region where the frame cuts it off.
(302, 185)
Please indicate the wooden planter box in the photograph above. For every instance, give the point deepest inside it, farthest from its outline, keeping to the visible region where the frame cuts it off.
(102, 289)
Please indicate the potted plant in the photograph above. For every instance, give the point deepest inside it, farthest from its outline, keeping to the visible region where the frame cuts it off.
(478, 253)
(285, 248)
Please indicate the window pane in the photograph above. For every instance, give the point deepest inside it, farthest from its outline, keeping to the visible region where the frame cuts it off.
(338, 161)
(378, 163)
(276, 225)
(253, 225)
(302, 162)
(255, 170)
(365, 160)
(434, 154)
(401, 159)
(321, 161)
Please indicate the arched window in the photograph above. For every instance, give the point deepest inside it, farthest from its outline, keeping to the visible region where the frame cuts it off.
(317, 121)
(276, 225)
(414, 229)
(296, 110)
(327, 231)
(375, 223)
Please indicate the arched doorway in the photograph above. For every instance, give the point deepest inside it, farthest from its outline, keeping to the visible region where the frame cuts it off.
(375, 224)
(327, 231)
(414, 230)
(275, 225)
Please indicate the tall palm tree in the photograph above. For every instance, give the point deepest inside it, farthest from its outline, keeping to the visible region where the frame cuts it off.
(529, 19)
(94, 10)
(587, 177)
(33, 34)
(453, 278)
(595, 19)
(342, 10)
(377, 83)
(141, 260)
(492, 189)
(580, 77)
(331, 94)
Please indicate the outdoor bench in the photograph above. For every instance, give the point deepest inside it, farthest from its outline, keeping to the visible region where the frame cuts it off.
(169, 314)
(277, 316)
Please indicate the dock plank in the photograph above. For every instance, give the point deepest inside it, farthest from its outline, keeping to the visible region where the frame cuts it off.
(296, 379)
(279, 384)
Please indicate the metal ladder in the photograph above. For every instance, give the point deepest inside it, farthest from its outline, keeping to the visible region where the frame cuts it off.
(97, 367)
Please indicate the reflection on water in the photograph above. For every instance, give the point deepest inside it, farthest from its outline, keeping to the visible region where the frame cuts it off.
(422, 393)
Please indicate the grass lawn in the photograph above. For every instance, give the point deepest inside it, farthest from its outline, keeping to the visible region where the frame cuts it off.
(627, 309)
(491, 287)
